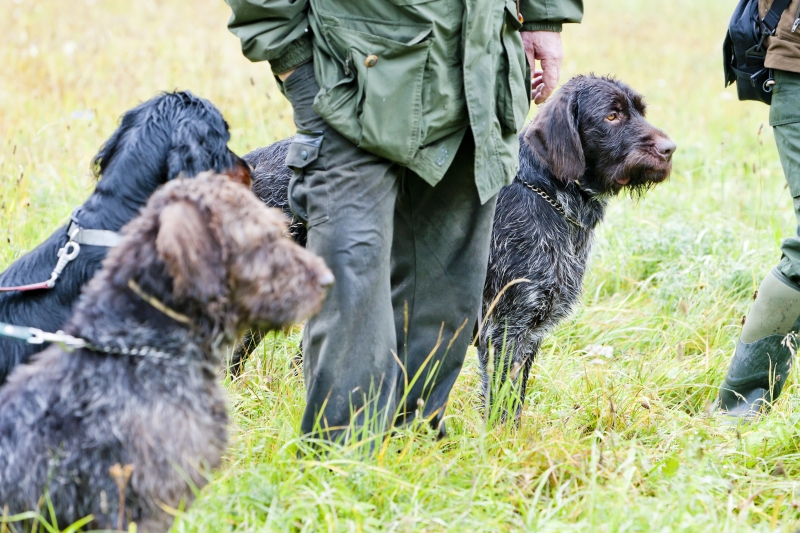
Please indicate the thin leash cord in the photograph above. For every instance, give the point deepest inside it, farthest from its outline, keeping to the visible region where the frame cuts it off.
(558, 207)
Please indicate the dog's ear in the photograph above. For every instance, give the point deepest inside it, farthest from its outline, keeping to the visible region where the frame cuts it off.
(555, 138)
(113, 144)
(197, 147)
(191, 252)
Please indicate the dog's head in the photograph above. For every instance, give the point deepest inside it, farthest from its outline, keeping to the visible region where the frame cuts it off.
(594, 130)
(171, 135)
(209, 249)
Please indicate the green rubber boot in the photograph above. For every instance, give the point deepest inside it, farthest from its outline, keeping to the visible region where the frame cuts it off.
(764, 354)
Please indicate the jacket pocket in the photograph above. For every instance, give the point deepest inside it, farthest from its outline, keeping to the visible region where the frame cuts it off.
(378, 103)
(512, 92)
(308, 190)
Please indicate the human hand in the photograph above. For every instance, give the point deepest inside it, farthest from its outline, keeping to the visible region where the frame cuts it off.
(546, 47)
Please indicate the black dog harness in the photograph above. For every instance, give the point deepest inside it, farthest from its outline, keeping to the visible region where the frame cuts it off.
(557, 206)
(68, 252)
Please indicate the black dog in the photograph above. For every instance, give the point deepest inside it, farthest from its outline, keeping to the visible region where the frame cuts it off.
(173, 134)
(203, 261)
(585, 145)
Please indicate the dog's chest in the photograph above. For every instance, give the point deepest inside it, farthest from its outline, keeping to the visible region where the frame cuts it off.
(168, 434)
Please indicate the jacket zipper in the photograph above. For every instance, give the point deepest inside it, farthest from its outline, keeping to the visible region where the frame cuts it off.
(796, 23)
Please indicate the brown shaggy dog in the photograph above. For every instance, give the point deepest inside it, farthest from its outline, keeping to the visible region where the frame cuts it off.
(204, 261)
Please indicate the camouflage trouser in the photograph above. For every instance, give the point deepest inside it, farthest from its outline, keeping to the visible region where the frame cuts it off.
(410, 261)
(784, 117)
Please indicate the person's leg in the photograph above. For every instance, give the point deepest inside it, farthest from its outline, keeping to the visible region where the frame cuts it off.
(347, 197)
(439, 259)
(763, 356)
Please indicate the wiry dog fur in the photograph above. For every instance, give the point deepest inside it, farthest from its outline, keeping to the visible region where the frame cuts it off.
(580, 158)
(585, 145)
(206, 248)
(174, 134)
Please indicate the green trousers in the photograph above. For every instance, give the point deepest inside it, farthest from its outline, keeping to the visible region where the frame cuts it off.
(410, 261)
(784, 117)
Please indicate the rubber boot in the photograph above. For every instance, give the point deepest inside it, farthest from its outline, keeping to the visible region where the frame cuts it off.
(765, 351)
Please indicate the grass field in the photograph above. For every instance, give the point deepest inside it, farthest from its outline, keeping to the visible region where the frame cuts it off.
(607, 444)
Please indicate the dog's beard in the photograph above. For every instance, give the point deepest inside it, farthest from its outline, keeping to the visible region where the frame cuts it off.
(639, 173)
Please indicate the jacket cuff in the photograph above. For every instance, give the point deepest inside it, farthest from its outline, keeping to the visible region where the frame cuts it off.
(297, 53)
(541, 26)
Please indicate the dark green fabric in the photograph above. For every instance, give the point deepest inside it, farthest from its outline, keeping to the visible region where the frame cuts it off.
(761, 362)
(396, 245)
(755, 376)
(784, 116)
(542, 12)
(442, 66)
(298, 52)
(543, 26)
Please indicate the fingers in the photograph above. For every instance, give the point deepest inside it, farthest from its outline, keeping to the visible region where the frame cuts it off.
(536, 79)
(551, 68)
(546, 47)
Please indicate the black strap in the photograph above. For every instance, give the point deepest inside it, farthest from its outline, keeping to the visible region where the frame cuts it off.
(773, 16)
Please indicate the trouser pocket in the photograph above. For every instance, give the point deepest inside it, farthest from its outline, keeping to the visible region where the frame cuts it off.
(308, 189)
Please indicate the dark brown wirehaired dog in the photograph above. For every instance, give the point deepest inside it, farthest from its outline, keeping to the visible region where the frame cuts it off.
(204, 261)
(585, 145)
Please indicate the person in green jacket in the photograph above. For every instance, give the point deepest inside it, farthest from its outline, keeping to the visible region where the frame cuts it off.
(765, 351)
(407, 114)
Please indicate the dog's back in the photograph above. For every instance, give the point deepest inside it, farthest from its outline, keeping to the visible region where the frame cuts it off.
(271, 179)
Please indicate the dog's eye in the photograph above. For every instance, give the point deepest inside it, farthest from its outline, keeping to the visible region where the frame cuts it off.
(612, 117)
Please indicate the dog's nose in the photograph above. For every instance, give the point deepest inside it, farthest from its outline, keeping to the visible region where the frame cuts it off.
(666, 147)
(326, 279)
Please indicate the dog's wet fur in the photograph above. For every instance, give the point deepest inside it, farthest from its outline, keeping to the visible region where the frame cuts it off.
(590, 142)
(207, 249)
(171, 135)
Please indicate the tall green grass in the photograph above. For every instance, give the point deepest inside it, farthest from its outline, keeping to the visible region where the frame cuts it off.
(608, 442)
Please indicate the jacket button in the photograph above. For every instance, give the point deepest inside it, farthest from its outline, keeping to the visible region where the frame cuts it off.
(371, 61)
(304, 155)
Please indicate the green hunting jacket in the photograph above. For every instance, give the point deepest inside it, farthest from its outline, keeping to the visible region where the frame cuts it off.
(404, 79)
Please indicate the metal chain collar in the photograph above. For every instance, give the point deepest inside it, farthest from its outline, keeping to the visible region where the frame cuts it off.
(69, 343)
(558, 207)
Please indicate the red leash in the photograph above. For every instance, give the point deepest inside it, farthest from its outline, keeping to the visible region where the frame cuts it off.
(23, 288)
(66, 254)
